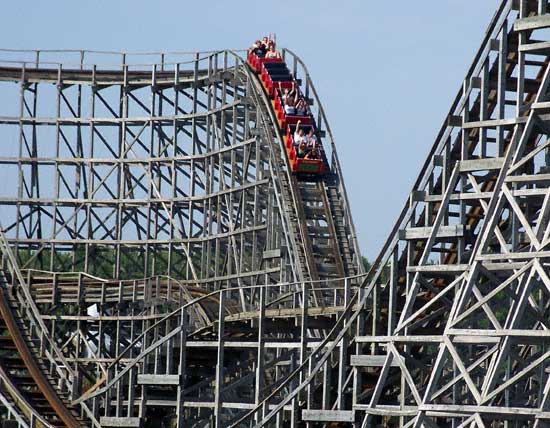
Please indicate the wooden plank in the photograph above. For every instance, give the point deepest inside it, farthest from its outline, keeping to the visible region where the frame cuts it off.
(542, 48)
(493, 123)
(543, 105)
(111, 421)
(528, 178)
(514, 256)
(387, 410)
(328, 415)
(540, 335)
(371, 361)
(502, 412)
(460, 197)
(285, 313)
(463, 337)
(158, 379)
(532, 23)
(424, 232)
(271, 254)
(438, 268)
(481, 164)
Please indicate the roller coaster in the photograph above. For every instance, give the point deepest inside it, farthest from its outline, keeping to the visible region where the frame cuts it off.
(164, 264)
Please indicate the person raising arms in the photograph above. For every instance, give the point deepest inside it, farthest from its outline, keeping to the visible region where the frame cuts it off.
(299, 135)
(301, 107)
(312, 139)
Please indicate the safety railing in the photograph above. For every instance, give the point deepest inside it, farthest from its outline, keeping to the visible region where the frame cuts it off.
(312, 375)
(77, 59)
(81, 287)
(160, 351)
(305, 375)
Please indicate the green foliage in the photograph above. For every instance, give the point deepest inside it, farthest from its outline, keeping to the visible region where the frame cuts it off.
(133, 262)
(384, 275)
(102, 261)
(366, 264)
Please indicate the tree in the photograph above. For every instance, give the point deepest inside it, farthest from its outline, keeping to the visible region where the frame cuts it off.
(366, 264)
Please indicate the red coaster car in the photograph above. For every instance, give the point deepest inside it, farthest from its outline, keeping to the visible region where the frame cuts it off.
(275, 75)
(256, 62)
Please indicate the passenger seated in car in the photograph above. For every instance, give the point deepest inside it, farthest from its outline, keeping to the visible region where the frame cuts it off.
(302, 151)
(312, 139)
(301, 107)
(313, 154)
(258, 49)
(286, 92)
(290, 106)
(299, 135)
(265, 43)
(271, 52)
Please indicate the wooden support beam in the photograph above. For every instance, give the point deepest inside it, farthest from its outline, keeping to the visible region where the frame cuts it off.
(371, 361)
(328, 415)
(122, 422)
(413, 233)
(532, 23)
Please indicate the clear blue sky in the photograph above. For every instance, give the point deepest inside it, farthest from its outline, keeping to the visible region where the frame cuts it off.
(386, 71)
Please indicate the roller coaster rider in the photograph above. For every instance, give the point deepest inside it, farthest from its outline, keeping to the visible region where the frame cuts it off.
(271, 52)
(291, 110)
(258, 49)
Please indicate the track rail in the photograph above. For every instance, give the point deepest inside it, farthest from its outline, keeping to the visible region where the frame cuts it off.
(27, 310)
(29, 360)
(309, 198)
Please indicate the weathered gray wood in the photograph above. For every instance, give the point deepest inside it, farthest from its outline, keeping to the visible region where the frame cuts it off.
(187, 157)
(424, 232)
(438, 268)
(370, 361)
(493, 123)
(541, 48)
(480, 164)
(111, 421)
(532, 23)
(158, 379)
(328, 415)
(270, 254)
